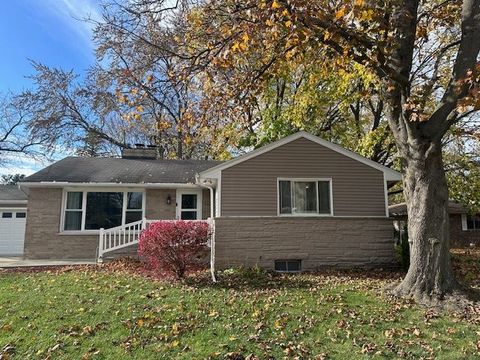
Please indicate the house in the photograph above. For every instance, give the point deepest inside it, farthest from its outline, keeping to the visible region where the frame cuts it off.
(464, 227)
(298, 203)
(13, 212)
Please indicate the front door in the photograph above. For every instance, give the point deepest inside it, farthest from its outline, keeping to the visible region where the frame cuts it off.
(189, 204)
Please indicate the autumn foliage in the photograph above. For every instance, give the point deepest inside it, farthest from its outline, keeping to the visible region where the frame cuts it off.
(173, 247)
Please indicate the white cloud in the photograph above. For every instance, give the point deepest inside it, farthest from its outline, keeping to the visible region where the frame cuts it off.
(72, 14)
(21, 164)
(11, 170)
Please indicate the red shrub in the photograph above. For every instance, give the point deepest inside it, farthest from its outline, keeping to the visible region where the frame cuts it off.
(173, 246)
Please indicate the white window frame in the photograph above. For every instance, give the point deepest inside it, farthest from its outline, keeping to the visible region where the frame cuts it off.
(294, 179)
(84, 192)
(179, 209)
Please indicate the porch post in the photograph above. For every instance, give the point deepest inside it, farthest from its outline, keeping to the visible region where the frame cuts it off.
(212, 233)
(100, 245)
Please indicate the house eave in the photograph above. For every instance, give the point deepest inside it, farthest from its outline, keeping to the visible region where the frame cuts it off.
(61, 184)
(13, 201)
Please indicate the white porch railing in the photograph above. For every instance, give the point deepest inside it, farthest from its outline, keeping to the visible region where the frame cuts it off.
(126, 235)
(121, 236)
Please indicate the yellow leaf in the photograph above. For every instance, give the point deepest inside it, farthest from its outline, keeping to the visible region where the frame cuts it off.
(245, 37)
(140, 322)
(269, 22)
(175, 328)
(275, 4)
(288, 23)
(359, 3)
(213, 313)
(340, 13)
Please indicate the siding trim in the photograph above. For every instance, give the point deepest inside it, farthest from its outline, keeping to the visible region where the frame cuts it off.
(385, 189)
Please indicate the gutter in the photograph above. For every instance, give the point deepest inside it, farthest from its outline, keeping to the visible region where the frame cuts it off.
(13, 201)
(58, 184)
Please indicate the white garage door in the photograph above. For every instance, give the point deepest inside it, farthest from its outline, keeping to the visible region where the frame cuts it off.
(12, 231)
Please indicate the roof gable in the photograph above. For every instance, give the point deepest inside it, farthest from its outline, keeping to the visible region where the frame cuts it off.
(389, 174)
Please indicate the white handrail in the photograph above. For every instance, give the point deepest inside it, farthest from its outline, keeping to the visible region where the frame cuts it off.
(123, 236)
(120, 236)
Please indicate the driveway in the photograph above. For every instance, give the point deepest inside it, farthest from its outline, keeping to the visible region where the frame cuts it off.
(12, 261)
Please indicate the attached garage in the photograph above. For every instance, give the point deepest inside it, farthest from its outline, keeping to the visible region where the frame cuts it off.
(13, 216)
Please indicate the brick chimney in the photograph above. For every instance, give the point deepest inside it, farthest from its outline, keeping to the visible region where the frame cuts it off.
(140, 151)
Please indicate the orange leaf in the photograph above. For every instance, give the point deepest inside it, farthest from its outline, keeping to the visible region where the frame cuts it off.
(340, 13)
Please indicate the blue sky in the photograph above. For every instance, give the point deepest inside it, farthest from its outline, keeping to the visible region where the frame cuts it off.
(46, 31)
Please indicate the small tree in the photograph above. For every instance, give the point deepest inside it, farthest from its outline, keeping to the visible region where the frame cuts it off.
(174, 246)
(11, 179)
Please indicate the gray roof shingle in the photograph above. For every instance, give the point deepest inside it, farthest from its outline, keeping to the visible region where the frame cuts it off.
(126, 171)
(11, 193)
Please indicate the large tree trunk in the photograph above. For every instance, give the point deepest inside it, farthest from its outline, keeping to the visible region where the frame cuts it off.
(430, 276)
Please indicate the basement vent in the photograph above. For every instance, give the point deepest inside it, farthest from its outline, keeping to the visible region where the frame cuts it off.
(288, 265)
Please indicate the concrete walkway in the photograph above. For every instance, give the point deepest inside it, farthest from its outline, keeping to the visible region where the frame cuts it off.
(9, 262)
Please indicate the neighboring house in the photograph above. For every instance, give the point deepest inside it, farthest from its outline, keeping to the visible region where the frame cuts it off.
(464, 227)
(13, 212)
(299, 203)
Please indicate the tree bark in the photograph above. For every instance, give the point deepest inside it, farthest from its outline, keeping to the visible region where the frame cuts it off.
(430, 276)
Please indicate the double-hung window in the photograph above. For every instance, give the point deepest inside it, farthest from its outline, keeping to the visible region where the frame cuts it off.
(93, 210)
(73, 211)
(304, 197)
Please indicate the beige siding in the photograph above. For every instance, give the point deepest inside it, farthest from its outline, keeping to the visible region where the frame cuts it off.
(250, 188)
(318, 242)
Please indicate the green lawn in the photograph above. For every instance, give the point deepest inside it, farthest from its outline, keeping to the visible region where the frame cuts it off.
(110, 313)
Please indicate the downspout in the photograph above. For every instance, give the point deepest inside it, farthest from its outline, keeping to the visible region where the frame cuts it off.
(212, 235)
(207, 183)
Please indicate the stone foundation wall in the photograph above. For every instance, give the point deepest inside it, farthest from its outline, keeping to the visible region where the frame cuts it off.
(318, 242)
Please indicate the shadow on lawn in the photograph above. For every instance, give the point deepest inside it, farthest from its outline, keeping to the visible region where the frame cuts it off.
(258, 279)
(250, 279)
